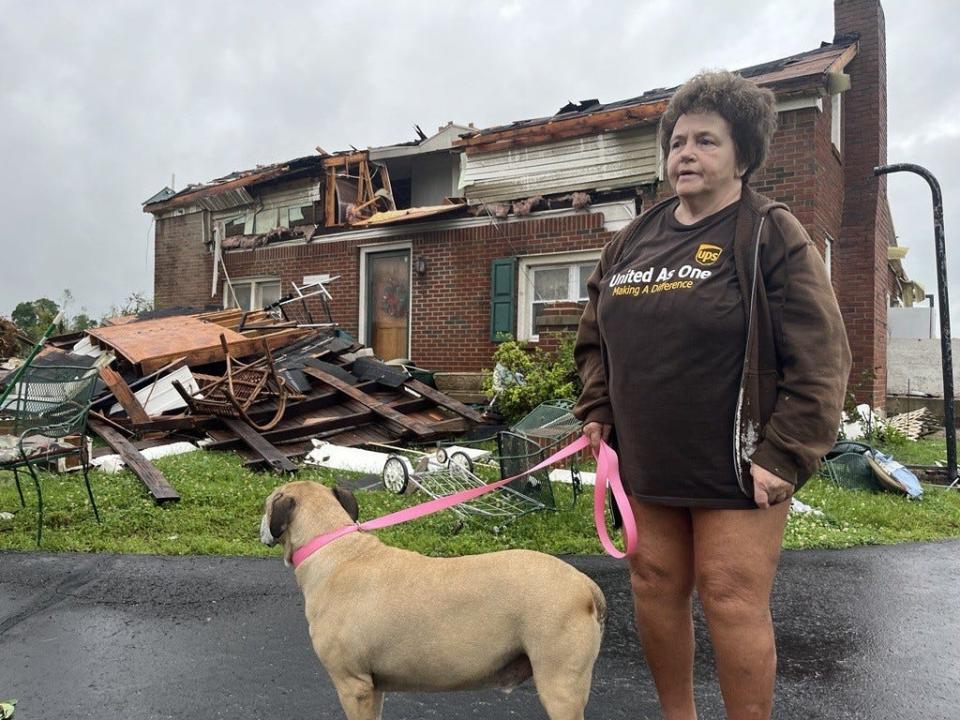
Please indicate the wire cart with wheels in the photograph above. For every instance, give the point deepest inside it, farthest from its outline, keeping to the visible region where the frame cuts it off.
(544, 431)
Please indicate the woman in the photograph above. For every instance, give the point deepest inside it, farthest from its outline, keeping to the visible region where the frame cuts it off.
(712, 346)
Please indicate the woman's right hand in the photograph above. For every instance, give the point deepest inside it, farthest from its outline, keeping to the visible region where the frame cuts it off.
(596, 431)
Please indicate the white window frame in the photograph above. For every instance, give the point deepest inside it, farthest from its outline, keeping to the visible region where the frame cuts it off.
(362, 304)
(255, 290)
(525, 283)
(828, 254)
(836, 121)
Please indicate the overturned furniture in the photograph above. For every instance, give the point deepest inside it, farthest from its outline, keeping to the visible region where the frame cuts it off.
(242, 386)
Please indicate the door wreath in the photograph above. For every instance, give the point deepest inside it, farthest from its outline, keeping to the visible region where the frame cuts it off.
(393, 300)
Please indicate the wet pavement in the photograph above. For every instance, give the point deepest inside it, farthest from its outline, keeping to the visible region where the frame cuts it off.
(863, 633)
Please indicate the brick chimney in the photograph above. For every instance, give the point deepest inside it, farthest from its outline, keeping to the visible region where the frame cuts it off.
(861, 249)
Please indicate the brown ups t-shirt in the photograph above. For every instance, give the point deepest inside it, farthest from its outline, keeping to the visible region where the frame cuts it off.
(672, 322)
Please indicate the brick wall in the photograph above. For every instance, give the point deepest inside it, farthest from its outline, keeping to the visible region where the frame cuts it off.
(451, 322)
(182, 265)
(450, 302)
(861, 249)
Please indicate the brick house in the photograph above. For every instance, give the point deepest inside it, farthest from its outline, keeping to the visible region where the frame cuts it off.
(437, 279)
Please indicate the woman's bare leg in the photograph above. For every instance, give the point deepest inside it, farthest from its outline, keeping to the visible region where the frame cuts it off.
(661, 575)
(736, 553)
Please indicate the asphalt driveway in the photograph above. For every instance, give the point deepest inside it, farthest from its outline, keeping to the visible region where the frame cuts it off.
(864, 633)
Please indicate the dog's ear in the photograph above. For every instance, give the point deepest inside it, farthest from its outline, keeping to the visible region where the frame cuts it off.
(348, 501)
(280, 514)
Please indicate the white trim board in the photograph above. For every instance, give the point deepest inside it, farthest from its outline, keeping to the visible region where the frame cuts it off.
(362, 290)
(615, 216)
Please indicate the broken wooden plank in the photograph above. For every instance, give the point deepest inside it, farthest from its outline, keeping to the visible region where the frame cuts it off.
(111, 423)
(277, 460)
(121, 391)
(166, 423)
(314, 427)
(604, 121)
(156, 483)
(105, 401)
(444, 400)
(238, 349)
(380, 408)
(453, 425)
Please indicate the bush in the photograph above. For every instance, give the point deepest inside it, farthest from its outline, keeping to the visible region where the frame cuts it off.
(530, 376)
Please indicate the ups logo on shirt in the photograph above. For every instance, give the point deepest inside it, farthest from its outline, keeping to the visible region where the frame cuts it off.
(708, 254)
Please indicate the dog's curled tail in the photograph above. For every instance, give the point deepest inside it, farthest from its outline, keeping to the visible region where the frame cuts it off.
(599, 604)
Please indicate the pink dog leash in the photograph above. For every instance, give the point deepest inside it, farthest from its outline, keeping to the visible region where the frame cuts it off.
(608, 474)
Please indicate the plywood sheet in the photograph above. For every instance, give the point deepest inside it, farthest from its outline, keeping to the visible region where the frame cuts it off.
(181, 335)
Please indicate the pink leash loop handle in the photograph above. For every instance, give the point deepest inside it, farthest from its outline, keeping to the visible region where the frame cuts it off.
(608, 474)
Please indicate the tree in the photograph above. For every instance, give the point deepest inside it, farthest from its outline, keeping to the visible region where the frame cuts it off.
(9, 333)
(34, 317)
(82, 321)
(134, 304)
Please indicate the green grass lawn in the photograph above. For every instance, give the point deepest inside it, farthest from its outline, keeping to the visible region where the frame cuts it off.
(221, 506)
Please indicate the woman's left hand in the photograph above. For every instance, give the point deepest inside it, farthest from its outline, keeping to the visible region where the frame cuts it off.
(768, 489)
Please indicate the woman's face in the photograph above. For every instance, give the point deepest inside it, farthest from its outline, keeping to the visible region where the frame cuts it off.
(702, 163)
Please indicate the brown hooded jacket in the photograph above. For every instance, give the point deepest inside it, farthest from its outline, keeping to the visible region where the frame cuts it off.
(796, 360)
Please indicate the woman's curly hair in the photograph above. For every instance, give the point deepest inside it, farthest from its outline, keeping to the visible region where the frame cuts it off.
(750, 109)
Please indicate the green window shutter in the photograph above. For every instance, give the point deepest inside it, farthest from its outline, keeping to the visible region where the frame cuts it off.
(503, 298)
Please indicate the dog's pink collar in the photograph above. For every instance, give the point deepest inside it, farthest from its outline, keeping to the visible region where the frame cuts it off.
(608, 473)
(302, 553)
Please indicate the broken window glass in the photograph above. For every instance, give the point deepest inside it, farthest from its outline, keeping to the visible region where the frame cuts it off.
(265, 221)
(234, 226)
(269, 293)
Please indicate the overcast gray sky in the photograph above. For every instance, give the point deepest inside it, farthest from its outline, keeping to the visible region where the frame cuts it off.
(102, 102)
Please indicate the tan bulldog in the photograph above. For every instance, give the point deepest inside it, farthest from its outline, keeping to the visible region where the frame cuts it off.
(384, 619)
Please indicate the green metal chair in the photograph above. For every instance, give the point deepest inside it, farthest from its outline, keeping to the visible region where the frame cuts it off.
(47, 404)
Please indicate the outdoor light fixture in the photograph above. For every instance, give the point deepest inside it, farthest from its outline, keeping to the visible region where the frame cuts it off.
(420, 266)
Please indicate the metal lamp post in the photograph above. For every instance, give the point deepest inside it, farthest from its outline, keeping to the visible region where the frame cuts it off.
(946, 350)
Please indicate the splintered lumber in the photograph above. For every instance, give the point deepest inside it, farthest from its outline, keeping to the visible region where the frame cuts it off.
(916, 423)
(444, 400)
(316, 426)
(149, 475)
(121, 391)
(273, 457)
(380, 408)
(152, 344)
(147, 340)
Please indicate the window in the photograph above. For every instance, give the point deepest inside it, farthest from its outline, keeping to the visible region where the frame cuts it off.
(836, 130)
(547, 279)
(263, 221)
(251, 295)
(233, 226)
(828, 254)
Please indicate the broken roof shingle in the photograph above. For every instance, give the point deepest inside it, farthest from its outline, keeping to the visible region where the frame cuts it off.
(780, 75)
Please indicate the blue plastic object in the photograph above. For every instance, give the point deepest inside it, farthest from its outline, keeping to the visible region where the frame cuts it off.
(903, 478)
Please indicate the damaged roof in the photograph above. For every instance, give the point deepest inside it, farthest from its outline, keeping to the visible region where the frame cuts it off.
(796, 75)
(392, 217)
(791, 75)
(235, 182)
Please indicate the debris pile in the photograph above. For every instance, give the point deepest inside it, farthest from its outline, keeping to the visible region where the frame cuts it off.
(916, 423)
(249, 383)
